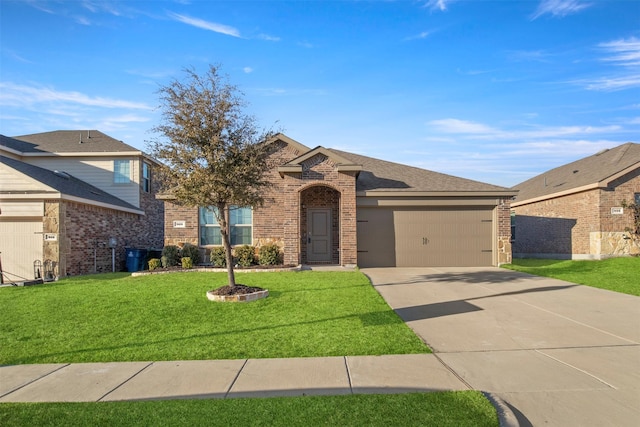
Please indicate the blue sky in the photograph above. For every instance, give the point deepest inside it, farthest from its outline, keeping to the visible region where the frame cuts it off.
(496, 91)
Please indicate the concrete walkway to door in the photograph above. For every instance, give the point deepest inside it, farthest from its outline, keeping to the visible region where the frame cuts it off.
(559, 354)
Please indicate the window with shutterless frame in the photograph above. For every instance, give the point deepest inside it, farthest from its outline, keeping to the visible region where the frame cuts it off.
(121, 171)
(240, 221)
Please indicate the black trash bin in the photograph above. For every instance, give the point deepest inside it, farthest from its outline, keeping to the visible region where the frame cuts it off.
(136, 259)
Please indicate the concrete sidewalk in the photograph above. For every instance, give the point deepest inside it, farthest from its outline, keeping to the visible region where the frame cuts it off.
(98, 382)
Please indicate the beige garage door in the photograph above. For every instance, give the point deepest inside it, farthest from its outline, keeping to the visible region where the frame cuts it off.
(20, 245)
(433, 237)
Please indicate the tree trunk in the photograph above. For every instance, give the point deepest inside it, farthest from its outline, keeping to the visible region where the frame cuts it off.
(226, 241)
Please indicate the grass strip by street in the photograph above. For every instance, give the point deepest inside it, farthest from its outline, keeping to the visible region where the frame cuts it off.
(443, 409)
(614, 274)
(116, 317)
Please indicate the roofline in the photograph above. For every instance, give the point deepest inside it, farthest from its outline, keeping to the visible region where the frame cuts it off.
(60, 196)
(409, 193)
(559, 194)
(10, 150)
(86, 154)
(284, 138)
(601, 184)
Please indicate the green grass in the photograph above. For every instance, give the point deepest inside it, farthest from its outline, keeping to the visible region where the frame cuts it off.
(116, 317)
(444, 409)
(614, 274)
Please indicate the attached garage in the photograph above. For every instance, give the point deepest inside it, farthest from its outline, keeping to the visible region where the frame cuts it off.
(425, 236)
(20, 246)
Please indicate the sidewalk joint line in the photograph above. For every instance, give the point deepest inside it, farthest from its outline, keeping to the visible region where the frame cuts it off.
(577, 369)
(455, 374)
(226, 395)
(34, 380)
(124, 382)
(346, 365)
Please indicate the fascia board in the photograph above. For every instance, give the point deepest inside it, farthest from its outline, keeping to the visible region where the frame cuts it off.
(59, 196)
(505, 193)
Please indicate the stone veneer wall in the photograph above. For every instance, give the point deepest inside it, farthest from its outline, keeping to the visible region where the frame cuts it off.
(503, 246)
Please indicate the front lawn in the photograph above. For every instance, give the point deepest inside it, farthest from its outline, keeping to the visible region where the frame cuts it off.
(116, 317)
(443, 409)
(614, 274)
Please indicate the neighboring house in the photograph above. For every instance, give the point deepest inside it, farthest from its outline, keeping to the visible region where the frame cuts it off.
(67, 198)
(575, 211)
(332, 207)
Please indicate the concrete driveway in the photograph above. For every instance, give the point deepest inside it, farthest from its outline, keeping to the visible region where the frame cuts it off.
(559, 354)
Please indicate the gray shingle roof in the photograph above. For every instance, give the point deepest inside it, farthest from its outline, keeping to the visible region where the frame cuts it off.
(587, 171)
(65, 184)
(380, 175)
(72, 141)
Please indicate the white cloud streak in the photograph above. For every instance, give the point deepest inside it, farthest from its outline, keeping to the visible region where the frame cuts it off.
(206, 25)
(479, 131)
(559, 8)
(624, 53)
(440, 5)
(20, 95)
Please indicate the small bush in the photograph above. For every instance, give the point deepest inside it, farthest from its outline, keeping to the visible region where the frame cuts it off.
(245, 255)
(218, 258)
(193, 252)
(170, 256)
(154, 263)
(186, 262)
(269, 255)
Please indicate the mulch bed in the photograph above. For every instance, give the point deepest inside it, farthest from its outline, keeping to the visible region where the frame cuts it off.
(236, 290)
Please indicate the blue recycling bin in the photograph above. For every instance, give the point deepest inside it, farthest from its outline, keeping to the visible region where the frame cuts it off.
(135, 259)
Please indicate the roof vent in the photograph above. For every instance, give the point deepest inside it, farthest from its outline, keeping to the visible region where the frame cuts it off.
(576, 171)
(62, 174)
(80, 137)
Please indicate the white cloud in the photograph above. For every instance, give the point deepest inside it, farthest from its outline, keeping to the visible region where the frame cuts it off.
(422, 35)
(268, 38)
(206, 25)
(247, 70)
(479, 131)
(559, 8)
(438, 4)
(20, 95)
(625, 52)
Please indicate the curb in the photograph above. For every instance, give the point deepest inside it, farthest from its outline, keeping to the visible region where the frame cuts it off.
(506, 416)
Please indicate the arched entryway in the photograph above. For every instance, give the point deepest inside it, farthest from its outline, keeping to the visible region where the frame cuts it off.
(320, 225)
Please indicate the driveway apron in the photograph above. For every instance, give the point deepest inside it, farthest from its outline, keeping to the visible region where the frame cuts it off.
(558, 353)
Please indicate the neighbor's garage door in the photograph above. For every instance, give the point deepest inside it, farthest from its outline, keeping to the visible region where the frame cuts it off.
(425, 237)
(20, 246)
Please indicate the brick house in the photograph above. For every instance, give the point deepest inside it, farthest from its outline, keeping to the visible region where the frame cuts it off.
(67, 198)
(574, 211)
(332, 207)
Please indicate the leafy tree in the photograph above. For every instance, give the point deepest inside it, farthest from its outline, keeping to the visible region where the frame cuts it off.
(212, 152)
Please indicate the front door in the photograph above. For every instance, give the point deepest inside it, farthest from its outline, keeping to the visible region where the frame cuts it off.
(319, 235)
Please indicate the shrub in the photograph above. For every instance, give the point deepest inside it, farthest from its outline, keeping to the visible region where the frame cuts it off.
(245, 255)
(269, 255)
(186, 262)
(193, 252)
(170, 256)
(154, 263)
(218, 257)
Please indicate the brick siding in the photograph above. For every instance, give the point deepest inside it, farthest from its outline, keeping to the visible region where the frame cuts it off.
(82, 246)
(576, 224)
